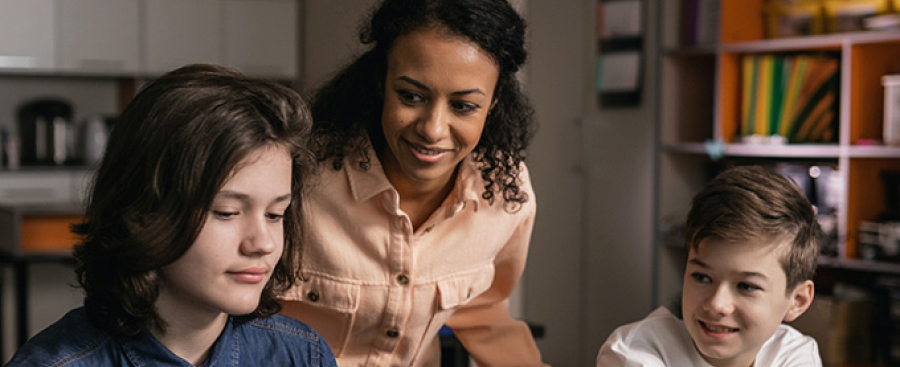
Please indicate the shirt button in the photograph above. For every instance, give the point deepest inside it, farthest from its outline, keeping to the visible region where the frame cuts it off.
(392, 333)
(403, 279)
(313, 296)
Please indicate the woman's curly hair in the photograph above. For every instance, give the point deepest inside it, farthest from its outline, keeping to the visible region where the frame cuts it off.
(347, 109)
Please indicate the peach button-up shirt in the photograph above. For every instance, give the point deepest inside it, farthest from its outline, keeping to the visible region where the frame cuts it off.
(378, 291)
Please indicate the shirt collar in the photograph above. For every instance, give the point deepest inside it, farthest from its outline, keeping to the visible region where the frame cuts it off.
(145, 350)
(469, 184)
(365, 184)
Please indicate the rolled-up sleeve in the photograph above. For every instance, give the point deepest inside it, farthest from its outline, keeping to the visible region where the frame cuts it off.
(484, 326)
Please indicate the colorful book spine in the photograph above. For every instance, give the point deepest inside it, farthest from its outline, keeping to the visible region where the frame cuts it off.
(794, 96)
(763, 96)
(748, 96)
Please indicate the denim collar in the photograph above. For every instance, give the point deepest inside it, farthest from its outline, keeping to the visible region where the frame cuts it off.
(145, 350)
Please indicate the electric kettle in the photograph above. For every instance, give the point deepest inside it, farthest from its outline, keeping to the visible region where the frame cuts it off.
(45, 132)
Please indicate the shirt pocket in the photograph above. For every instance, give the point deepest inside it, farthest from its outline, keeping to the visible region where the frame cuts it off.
(452, 293)
(459, 290)
(329, 307)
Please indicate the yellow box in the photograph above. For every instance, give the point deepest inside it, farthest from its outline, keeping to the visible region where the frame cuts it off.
(801, 18)
(848, 15)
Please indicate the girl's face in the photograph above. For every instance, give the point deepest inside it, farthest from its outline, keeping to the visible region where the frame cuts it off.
(438, 92)
(225, 269)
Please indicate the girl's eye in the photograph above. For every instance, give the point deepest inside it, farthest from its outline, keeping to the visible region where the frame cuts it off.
(409, 97)
(747, 287)
(274, 217)
(464, 107)
(222, 214)
(701, 278)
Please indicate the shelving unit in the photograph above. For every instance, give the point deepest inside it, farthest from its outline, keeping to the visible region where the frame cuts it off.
(699, 120)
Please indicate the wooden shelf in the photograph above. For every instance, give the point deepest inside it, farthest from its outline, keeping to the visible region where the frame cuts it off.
(38, 229)
(825, 42)
(692, 51)
(700, 101)
(861, 265)
(825, 151)
(873, 152)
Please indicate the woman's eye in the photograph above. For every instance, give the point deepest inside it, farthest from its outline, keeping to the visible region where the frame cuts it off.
(223, 214)
(409, 97)
(701, 278)
(464, 107)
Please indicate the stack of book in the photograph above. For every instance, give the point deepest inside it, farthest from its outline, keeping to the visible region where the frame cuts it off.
(794, 97)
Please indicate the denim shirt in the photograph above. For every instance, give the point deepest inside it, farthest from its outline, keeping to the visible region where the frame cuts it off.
(274, 341)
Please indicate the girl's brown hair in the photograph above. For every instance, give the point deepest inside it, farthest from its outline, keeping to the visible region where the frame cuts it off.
(169, 153)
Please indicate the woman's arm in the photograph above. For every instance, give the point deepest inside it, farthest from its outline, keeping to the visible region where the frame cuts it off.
(484, 326)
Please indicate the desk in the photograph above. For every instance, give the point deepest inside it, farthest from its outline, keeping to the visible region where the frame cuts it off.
(31, 234)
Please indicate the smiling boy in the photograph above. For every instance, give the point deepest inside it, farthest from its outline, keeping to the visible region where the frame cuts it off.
(753, 246)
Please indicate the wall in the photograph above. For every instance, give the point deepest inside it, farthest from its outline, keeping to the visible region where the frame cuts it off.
(554, 288)
(619, 156)
(593, 172)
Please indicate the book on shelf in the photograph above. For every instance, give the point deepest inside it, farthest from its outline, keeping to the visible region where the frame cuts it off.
(700, 22)
(792, 96)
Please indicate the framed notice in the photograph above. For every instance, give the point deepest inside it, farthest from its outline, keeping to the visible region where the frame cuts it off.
(620, 52)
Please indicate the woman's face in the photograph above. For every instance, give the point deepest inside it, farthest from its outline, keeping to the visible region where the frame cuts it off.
(438, 92)
(225, 269)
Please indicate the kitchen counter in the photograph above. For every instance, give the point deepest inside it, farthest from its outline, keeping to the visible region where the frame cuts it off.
(38, 228)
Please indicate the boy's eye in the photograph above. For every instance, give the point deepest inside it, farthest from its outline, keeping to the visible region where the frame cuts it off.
(701, 278)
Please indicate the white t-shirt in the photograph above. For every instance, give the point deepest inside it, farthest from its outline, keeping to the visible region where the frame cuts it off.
(661, 340)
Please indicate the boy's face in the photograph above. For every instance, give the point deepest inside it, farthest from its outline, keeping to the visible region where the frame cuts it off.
(734, 299)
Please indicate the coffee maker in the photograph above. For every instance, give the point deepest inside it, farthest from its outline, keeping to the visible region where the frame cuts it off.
(46, 132)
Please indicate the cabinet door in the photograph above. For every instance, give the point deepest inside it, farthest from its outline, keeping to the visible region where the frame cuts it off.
(261, 37)
(99, 35)
(181, 32)
(27, 30)
(44, 187)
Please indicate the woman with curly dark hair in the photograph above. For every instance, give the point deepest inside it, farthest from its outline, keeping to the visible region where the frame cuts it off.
(193, 226)
(424, 209)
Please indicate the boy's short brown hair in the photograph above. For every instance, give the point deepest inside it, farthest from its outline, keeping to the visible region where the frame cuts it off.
(752, 204)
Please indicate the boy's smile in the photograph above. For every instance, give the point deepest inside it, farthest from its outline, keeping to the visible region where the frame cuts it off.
(735, 297)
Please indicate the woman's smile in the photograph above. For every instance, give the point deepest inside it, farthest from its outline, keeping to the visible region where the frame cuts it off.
(427, 154)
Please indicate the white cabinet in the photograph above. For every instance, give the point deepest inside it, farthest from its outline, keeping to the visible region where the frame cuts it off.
(27, 34)
(262, 37)
(128, 37)
(99, 35)
(180, 32)
(43, 187)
